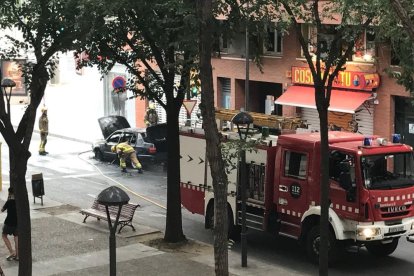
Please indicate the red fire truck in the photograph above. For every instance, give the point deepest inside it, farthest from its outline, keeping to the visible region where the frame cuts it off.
(371, 188)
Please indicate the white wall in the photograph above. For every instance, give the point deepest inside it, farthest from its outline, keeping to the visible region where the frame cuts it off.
(75, 102)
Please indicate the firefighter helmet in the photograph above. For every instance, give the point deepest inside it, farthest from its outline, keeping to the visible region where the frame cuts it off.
(44, 109)
(151, 106)
(113, 148)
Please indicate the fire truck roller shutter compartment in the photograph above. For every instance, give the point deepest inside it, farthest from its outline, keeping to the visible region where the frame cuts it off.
(193, 184)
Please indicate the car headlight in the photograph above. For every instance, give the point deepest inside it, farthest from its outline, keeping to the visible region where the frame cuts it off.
(368, 232)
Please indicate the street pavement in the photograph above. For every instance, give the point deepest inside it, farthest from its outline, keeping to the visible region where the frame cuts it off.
(63, 245)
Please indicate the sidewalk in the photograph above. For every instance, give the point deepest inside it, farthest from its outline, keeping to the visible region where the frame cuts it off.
(63, 245)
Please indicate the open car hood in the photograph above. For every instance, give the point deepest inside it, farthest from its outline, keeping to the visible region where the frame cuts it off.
(112, 123)
(157, 134)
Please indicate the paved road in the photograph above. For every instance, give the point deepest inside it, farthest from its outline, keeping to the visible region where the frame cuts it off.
(73, 177)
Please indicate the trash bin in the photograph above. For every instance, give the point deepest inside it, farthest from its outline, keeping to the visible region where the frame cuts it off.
(38, 188)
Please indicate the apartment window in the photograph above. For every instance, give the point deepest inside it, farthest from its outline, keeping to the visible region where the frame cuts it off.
(295, 164)
(395, 57)
(273, 44)
(224, 43)
(365, 47)
(326, 35)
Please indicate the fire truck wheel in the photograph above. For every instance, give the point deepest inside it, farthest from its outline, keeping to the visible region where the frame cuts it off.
(380, 249)
(312, 245)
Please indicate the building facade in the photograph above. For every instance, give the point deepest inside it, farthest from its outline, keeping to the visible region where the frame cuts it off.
(365, 99)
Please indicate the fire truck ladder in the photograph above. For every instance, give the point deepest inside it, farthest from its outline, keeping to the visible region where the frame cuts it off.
(255, 197)
(262, 120)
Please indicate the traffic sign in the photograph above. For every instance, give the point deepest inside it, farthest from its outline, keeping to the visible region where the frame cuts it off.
(189, 105)
(119, 82)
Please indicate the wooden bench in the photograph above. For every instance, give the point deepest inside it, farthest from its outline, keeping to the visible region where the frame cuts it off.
(125, 218)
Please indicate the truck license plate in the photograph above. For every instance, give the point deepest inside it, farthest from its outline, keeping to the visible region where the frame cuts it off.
(396, 229)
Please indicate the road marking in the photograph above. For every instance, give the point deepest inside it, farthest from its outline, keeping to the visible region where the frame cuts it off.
(95, 182)
(123, 186)
(80, 175)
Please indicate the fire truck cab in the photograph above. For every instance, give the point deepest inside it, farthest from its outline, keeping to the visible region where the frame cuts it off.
(371, 188)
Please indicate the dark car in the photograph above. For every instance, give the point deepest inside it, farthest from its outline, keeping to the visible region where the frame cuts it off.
(157, 134)
(115, 130)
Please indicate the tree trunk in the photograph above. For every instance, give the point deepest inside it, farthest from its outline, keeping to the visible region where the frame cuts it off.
(213, 137)
(18, 168)
(322, 107)
(173, 227)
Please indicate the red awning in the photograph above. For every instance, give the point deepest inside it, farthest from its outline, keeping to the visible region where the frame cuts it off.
(341, 101)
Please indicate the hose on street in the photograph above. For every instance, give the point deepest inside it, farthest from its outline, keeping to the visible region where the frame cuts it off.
(120, 184)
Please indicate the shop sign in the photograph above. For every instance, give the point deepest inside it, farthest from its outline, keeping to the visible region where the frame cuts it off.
(345, 79)
(11, 69)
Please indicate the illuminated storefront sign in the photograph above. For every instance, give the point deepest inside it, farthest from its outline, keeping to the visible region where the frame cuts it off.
(345, 79)
(11, 69)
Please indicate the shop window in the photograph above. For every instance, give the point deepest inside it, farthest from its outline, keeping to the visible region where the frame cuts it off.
(273, 45)
(295, 164)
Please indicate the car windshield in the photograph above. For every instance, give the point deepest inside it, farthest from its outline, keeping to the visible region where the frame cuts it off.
(390, 171)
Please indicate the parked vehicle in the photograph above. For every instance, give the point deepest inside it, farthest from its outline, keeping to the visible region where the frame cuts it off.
(116, 129)
(371, 189)
(157, 134)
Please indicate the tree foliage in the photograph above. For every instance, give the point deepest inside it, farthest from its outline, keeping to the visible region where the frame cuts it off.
(44, 27)
(396, 28)
(156, 41)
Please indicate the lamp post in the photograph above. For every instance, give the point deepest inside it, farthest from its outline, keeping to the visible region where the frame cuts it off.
(112, 196)
(246, 84)
(243, 119)
(7, 86)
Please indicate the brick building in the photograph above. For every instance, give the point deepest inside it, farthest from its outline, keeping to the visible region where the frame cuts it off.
(382, 107)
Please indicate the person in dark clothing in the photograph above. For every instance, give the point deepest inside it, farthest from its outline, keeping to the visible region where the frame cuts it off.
(10, 226)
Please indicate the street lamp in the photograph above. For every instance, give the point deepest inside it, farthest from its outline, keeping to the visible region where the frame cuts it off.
(247, 61)
(243, 119)
(112, 196)
(7, 86)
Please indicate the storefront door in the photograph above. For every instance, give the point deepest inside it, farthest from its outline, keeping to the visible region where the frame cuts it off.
(404, 120)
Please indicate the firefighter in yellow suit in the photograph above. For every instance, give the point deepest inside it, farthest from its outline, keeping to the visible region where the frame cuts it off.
(44, 131)
(124, 150)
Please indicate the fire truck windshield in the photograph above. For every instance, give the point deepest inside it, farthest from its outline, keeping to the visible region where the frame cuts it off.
(390, 171)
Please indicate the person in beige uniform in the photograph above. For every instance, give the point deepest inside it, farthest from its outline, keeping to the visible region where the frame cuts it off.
(44, 130)
(124, 151)
(151, 116)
